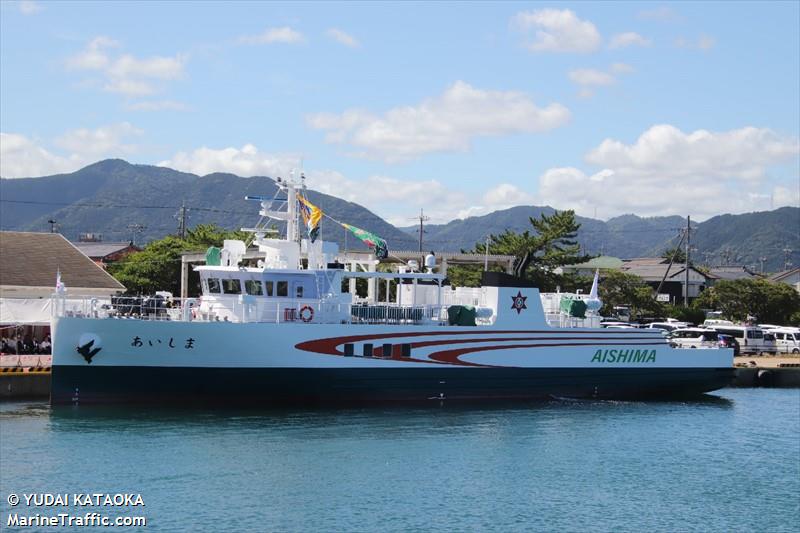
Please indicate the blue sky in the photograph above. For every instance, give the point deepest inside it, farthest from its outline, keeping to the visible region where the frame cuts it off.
(457, 108)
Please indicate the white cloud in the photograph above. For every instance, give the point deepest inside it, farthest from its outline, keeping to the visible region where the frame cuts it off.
(665, 151)
(21, 156)
(702, 42)
(621, 68)
(165, 68)
(101, 141)
(558, 31)
(29, 7)
(94, 56)
(126, 74)
(588, 76)
(342, 38)
(285, 35)
(667, 171)
(245, 161)
(622, 40)
(446, 123)
(129, 87)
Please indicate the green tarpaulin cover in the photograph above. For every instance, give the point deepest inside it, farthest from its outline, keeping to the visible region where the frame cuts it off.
(576, 308)
(212, 256)
(461, 315)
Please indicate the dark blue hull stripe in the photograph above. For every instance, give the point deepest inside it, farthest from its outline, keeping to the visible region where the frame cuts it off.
(99, 384)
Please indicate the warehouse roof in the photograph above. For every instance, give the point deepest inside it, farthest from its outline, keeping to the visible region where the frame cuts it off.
(33, 259)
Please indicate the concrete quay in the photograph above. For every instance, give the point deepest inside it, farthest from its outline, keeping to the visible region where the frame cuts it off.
(767, 371)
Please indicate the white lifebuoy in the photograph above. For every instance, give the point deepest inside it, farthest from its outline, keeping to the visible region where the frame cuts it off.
(307, 313)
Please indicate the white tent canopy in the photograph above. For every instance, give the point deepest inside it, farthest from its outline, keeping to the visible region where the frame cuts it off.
(36, 311)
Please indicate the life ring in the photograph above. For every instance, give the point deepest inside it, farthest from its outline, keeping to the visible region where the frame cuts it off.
(309, 316)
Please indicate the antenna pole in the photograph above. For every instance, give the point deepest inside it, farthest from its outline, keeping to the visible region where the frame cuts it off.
(688, 249)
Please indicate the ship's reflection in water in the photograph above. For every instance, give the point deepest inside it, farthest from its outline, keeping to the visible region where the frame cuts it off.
(556, 465)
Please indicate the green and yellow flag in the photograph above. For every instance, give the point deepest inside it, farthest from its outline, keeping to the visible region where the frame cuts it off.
(371, 240)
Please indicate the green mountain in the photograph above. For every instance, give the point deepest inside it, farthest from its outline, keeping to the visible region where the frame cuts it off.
(624, 236)
(721, 240)
(114, 198)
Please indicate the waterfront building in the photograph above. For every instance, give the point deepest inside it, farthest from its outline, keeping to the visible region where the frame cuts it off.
(30, 264)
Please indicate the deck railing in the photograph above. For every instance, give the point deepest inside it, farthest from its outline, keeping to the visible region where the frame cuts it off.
(247, 310)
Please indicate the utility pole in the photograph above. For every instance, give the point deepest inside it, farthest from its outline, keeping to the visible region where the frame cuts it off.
(688, 251)
(787, 262)
(422, 219)
(762, 259)
(486, 255)
(181, 216)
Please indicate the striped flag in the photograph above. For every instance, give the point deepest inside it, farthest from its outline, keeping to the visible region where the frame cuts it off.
(311, 217)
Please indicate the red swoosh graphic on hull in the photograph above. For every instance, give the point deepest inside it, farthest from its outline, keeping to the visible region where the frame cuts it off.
(329, 346)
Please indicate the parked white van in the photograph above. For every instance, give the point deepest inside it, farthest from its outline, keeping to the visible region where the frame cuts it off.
(694, 338)
(787, 339)
(752, 340)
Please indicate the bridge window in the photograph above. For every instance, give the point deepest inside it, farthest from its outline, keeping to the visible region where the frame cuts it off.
(269, 285)
(213, 285)
(231, 286)
(254, 287)
(299, 291)
(283, 289)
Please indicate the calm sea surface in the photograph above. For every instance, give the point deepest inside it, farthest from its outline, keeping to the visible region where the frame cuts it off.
(729, 462)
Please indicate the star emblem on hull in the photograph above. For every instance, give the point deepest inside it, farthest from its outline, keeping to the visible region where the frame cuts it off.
(519, 302)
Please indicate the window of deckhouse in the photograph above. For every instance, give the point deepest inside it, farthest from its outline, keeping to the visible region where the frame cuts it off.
(231, 286)
(213, 285)
(283, 289)
(254, 287)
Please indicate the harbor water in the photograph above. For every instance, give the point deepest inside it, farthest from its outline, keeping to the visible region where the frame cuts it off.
(726, 462)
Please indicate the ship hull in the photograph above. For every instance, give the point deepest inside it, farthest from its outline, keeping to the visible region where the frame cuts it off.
(112, 361)
(326, 386)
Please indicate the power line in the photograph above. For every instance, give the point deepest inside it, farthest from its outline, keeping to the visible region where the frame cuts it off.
(121, 206)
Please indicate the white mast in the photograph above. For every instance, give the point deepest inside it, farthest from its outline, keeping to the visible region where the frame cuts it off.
(280, 253)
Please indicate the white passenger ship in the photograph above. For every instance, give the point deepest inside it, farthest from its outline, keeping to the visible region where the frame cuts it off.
(285, 332)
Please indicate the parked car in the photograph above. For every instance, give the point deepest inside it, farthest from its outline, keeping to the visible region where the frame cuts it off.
(694, 338)
(729, 341)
